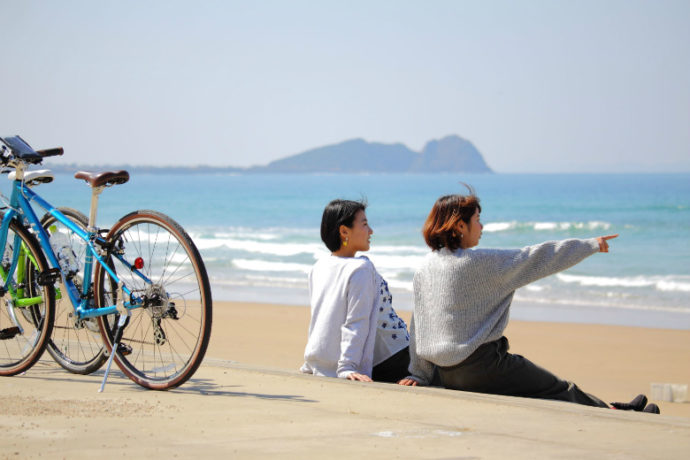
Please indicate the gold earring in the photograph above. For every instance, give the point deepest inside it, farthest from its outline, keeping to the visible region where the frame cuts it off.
(345, 242)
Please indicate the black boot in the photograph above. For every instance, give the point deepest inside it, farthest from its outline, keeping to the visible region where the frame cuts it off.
(637, 404)
(652, 409)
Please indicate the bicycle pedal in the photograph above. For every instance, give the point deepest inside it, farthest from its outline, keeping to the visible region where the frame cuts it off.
(48, 277)
(9, 333)
(124, 349)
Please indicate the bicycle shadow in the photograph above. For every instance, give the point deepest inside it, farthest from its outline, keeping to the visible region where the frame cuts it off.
(208, 387)
(194, 386)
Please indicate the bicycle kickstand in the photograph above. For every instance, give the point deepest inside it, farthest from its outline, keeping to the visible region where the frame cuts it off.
(124, 314)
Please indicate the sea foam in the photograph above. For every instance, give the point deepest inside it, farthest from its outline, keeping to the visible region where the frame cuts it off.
(494, 227)
(675, 283)
(266, 266)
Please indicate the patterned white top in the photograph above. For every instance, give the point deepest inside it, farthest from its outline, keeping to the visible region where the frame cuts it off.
(391, 330)
(353, 325)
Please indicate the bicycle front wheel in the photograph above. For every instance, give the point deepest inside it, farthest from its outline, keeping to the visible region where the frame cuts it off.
(165, 340)
(75, 345)
(26, 318)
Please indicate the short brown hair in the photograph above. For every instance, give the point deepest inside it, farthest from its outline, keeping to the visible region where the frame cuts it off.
(440, 228)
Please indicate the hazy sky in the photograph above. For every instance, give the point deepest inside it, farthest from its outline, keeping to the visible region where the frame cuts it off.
(537, 86)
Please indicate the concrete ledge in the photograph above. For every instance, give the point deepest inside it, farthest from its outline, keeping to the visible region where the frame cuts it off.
(438, 392)
(233, 409)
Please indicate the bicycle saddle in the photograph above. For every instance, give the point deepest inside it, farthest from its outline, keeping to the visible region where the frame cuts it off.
(101, 179)
(40, 176)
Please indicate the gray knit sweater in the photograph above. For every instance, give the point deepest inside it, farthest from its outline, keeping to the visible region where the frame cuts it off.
(462, 298)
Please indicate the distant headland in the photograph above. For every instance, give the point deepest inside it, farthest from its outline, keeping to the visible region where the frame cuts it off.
(449, 154)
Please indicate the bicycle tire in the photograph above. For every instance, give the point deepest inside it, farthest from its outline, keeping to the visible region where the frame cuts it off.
(26, 319)
(162, 345)
(76, 346)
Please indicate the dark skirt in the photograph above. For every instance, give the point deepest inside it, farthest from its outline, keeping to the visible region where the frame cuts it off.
(392, 369)
(491, 369)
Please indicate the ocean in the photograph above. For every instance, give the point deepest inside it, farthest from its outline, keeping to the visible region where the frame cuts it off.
(259, 234)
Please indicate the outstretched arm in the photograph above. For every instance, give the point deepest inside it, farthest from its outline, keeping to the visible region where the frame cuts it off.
(513, 269)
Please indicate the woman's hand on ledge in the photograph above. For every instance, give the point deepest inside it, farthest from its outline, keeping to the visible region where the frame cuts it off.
(359, 377)
(408, 382)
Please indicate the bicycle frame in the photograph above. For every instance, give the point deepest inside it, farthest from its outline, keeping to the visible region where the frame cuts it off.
(19, 264)
(20, 207)
(163, 328)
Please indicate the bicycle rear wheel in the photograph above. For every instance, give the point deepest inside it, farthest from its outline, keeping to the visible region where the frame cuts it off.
(26, 318)
(163, 342)
(77, 346)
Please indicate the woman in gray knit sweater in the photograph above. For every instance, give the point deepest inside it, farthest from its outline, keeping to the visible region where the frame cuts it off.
(462, 298)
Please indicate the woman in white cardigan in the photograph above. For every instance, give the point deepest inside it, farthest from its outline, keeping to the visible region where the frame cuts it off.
(354, 332)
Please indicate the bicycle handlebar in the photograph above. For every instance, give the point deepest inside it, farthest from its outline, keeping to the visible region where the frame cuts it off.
(16, 148)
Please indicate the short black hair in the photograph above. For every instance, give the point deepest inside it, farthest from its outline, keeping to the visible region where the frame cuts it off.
(337, 213)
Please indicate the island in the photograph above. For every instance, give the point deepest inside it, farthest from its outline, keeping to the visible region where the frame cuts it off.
(450, 154)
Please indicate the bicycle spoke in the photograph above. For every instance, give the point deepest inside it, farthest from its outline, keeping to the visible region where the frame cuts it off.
(26, 318)
(169, 337)
(77, 347)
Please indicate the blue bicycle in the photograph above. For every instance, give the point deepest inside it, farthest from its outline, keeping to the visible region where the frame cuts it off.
(141, 285)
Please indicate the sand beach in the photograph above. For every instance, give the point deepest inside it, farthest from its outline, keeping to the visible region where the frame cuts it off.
(248, 400)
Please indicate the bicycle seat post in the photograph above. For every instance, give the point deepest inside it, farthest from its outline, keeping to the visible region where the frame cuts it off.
(95, 192)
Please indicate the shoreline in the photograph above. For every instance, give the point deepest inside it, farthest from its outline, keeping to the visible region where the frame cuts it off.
(521, 309)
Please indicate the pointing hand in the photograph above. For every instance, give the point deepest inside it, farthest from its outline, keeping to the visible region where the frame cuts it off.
(603, 242)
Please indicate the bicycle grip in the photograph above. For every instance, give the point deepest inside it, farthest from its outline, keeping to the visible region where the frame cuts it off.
(51, 152)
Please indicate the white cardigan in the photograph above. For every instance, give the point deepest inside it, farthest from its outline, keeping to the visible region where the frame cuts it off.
(353, 325)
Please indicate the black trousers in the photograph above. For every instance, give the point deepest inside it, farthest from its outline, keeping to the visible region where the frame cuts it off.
(491, 369)
(393, 369)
